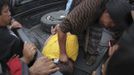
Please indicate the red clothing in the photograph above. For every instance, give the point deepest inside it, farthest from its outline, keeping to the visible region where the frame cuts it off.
(15, 66)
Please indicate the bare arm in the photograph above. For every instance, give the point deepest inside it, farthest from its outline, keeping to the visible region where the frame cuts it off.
(62, 45)
(77, 21)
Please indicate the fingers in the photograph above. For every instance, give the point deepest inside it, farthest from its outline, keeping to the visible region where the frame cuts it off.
(43, 60)
(16, 24)
(57, 25)
(29, 51)
(44, 66)
(29, 46)
(112, 48)
(47, 61)
(54, 70)
(53, 30)
(51, 27)
(51, 64)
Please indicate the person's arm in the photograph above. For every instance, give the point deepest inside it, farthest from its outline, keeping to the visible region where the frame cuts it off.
(62, 45)
(83, 15)
(76, 22)
(29, 51)
(15, 24)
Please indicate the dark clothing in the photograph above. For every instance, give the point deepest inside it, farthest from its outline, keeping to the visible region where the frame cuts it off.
(92, 39)
(10, 44)
(122, 62)
(92, 43)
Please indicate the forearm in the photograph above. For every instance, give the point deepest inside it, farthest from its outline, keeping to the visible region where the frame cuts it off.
(62, 41)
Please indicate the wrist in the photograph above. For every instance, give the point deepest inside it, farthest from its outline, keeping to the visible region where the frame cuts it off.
(25, 60)
(31, 71)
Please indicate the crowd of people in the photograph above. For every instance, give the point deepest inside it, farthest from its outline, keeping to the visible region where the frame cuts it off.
(100, 25)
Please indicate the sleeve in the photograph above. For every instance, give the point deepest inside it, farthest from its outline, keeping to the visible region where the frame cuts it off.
(17, 47)
(81, 16)
(25, 69)
(18, 67)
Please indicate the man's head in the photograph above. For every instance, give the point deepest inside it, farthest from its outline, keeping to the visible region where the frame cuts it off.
(117, 16)
(117, 10)
(5, 15)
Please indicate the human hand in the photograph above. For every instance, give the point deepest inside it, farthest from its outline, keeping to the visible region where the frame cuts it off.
(54, 29)
(43, 66)
(112, 49)
(15, 24)
(63, 58)
(29, 51)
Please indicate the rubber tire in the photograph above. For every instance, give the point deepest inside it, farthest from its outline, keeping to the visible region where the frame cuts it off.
(54, 18)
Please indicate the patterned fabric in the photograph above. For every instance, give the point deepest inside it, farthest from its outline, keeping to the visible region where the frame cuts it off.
(92, 61)
(93, 37)
(82, 16)
(75, 24)
(76, 2)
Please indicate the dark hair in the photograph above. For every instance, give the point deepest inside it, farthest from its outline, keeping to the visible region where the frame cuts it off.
(119, 11)
(120, 27)
(2, 3)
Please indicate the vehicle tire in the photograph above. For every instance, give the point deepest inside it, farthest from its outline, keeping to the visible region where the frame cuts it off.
(51, 19)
